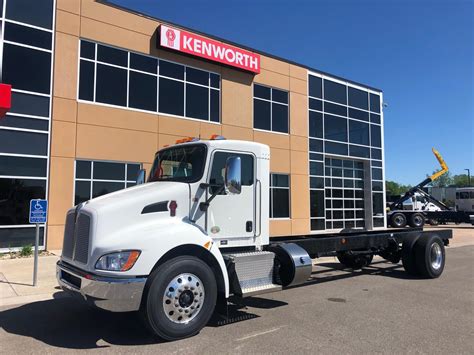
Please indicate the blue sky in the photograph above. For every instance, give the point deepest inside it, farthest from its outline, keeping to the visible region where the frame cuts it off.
(419, 52)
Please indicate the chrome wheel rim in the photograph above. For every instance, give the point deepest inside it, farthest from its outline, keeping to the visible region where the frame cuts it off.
(436, 256)
(398, 220)
(183, 298)
(417, 220)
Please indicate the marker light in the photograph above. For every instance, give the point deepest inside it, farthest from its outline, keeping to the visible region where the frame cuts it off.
(186, 140)
(217, 137)
(118, 261)
(173, 206)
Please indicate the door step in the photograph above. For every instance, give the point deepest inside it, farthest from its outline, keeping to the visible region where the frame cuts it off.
(251, 273)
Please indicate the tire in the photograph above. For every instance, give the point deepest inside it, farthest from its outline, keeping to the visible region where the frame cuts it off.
(190, 283)
(430, 256)
(398, 220)
(354, 261)
(409, 257)
(434, 222)
(417, 220)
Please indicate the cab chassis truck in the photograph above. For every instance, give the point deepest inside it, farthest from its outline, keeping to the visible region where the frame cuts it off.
(398, 217)
(197, 233)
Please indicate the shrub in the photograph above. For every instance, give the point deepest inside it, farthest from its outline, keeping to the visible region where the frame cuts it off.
(26, 250)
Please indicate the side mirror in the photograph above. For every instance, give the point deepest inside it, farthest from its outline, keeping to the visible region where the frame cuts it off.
(233, 176)
(141, 176)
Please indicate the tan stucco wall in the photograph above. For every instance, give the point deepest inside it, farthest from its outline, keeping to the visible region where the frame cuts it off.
(97, 132)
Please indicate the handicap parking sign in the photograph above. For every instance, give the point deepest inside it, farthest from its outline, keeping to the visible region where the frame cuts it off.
(38, 210)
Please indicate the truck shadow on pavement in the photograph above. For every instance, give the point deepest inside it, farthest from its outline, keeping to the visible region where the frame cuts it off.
(66, 323)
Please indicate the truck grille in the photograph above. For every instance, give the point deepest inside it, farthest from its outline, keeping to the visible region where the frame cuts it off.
(77, 237)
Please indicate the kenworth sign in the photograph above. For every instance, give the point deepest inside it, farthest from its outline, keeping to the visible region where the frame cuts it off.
(199, 46)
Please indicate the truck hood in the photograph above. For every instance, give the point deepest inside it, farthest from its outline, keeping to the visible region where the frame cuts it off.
(115, 216)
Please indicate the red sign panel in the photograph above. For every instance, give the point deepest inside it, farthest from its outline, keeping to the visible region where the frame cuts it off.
(199, 46)
(5, 99)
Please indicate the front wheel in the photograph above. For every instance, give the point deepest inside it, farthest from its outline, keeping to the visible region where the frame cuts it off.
(180, 298)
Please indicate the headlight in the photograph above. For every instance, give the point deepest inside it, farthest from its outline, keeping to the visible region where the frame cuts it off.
(119, 261)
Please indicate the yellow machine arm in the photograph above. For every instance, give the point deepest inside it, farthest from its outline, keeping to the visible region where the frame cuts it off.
(444, 167)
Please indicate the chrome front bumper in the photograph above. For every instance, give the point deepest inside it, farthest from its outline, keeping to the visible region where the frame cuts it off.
(109, 293)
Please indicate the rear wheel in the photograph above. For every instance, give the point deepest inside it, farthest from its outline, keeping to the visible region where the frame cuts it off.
(434, 222)
(398, 220)
(430, 256)
(409, 257)
(354, 261)
(417, 220)
(180, 298)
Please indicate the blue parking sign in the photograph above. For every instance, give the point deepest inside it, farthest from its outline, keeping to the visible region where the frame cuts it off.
(38, 210)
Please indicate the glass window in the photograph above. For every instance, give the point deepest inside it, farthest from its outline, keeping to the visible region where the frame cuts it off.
(315, 104)
(20, 166)
(215, 106)
(20, 142)
(261, 92)
(86, 80)
(38, 13)
(109, 171)
(376, 136)
(142, 91)
(376, 154)
(335, 128)
(111, 55)
(28, 104)
(358, 114)
(111, 86)
(317, 203)
(317, 224)
(216, 178)
(87, 50)
(261, 114)
(171, 97)
(28, 35)
(335, 109)
(358, 151)
(15, 196)
(375, 103)
(26, 69)
(315, 124)
(315, 145)
(358, 132)
(279, 196)
(180, 163)
(316, 168)
(315, 86)
(279, 118)
(377, 203)
(358, 98)
(376, 174)
(171, 70)
(335, 148)
(24, 122)
(197, 76)
(18, 237)
(280, 96)
(83, 169)
(215, 80)
(97, 178)
(374, 118)
(271, 115)
(335, 92)
(143, 63)
(197, 104)
(82, 192)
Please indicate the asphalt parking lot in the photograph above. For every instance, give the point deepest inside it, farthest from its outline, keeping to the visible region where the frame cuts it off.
(378, 310)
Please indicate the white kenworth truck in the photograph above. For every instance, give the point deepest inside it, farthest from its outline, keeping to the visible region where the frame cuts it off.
(197, 232)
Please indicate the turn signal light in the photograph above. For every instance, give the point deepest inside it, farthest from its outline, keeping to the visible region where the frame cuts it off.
(173, 206)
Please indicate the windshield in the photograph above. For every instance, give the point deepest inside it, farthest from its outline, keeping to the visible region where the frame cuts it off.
(182, 164)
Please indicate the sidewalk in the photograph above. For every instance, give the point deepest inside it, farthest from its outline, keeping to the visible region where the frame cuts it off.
(16, 275)
(16, 280)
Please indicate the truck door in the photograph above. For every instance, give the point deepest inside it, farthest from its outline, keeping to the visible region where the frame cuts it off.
(231, 218)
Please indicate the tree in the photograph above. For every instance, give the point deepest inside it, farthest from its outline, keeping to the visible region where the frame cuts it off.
(461, 180)
(395, 189)
(443, 181)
